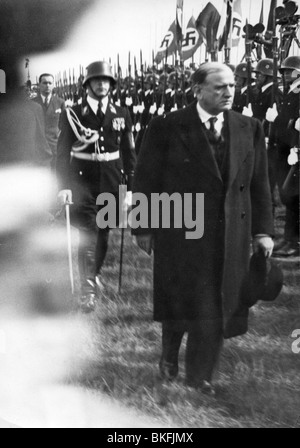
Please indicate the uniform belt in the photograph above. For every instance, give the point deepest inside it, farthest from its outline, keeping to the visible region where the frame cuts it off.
(104, 157)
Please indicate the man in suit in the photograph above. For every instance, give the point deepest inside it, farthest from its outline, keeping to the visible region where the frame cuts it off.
(22, 136)
(209, 149)
(53, 107)
(91, 161)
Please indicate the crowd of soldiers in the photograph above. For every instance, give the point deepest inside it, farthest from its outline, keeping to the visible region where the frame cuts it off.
(273, 101)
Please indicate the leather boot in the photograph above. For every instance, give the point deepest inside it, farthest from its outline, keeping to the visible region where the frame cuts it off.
(89, 295)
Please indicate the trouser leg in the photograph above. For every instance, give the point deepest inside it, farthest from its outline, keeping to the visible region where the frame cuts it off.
(205, 340)
(101, 249)
(172, 334)
(292, 221)
(272, 163)
(87, 271)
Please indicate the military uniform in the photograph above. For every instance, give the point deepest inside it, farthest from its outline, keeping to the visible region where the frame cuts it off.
(241, 99)
(260, 106)
(99, 168)
(286, 137)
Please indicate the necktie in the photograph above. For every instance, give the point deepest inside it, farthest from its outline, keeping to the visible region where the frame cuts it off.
(212, 122)
(100, 113)
(46, 102)
(216, 141)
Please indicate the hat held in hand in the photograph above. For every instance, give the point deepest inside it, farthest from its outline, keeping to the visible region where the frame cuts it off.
(263, 282)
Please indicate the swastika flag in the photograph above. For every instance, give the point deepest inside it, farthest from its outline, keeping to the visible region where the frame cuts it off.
(236, 23)
(191, 41)
(168, 45)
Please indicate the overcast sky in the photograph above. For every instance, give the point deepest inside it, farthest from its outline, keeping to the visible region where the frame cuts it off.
(119, 26)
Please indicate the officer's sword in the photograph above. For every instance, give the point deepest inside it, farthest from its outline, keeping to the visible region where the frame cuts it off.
(69, 236)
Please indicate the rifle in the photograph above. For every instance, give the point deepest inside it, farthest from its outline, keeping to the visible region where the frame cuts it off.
(142, 72)
(275, 71)
(129, 75)
(70, 86)
(249, 44)
(118, 80)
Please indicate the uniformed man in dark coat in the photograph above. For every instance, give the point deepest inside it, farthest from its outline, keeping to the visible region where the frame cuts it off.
(53, 106)
(243, 95)
(286, 137)
(268, 95)
(205, 148)
(94, 161)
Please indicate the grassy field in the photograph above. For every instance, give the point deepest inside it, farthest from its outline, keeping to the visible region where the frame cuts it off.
(258, 382)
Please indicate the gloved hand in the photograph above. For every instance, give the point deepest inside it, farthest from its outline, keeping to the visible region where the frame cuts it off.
(248, 111)
(265, 244)
(65, 197)
(153, 109)
(272, 114)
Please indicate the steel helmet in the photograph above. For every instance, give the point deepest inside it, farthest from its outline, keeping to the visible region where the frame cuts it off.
(173, 77)
(188, 75)
(163, 78)
(241, 71)
(152, 79)
(291, 63)
(97, 69)
(265, 67)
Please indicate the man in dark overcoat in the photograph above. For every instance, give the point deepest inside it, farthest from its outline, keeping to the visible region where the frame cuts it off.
(95, 153)
(209, 149)
(53, 106)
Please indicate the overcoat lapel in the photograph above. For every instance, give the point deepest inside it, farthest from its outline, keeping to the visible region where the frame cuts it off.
(239, 143)
(194, 137)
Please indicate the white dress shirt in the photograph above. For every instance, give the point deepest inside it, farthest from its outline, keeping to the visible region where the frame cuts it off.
(205, 117)
(46, 97)
(94, 104)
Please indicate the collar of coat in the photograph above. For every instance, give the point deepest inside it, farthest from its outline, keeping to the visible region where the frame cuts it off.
(192, 133)
(111, 109)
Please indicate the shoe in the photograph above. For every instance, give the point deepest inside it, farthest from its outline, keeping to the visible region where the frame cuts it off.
(288, 250)
(208, 389)
(205, 387)
(168, 370)
(88, 303)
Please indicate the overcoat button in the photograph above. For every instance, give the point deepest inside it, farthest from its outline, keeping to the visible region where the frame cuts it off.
(243, 215)
(242, 188)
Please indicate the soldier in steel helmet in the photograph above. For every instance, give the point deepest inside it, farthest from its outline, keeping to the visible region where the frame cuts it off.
(241, 88)
(269, 94)
(93, 163)
(286, 137)
(174, 94)
(189, 94)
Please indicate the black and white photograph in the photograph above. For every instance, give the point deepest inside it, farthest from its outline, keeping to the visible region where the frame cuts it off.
(149, 230)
